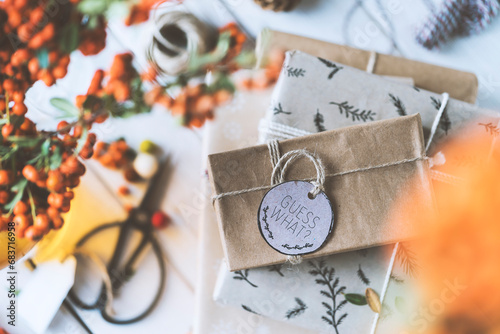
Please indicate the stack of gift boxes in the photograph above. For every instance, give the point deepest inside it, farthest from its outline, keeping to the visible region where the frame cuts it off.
(373, 124)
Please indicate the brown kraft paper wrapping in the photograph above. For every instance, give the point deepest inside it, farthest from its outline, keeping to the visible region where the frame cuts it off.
(361, 200)
(460, 85)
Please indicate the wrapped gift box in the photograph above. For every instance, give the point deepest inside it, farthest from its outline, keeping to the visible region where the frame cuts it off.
(307, 99)
(460, 85)
(373, 176)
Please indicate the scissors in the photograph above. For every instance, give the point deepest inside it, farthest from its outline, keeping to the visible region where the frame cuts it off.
(139, 220)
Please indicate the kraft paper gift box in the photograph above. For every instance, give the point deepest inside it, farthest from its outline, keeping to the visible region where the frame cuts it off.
(459, 84)
(387, 154)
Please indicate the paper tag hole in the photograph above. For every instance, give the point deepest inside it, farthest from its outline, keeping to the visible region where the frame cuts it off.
(311, 196)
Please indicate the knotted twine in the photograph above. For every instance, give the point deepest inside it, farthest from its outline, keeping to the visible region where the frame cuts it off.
(280, 165)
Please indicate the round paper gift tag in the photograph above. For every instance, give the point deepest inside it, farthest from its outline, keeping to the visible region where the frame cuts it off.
(291, 221)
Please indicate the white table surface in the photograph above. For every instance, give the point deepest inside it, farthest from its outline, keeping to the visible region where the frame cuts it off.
(320, 19)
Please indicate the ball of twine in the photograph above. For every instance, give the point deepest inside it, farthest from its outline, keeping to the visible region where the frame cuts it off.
(178, 36)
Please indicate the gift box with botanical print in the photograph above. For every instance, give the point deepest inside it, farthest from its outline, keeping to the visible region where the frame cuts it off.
(333, 294)
(314, 95)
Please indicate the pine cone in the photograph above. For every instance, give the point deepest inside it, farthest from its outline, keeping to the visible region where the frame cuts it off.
(278, 5)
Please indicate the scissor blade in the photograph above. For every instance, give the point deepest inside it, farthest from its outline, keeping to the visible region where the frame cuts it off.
(157, 188)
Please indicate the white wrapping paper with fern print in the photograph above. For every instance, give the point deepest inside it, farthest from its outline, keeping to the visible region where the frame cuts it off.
(334, 294)
(314, 95)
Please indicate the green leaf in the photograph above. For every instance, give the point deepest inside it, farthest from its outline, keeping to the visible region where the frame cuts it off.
(10, 152)
(355, 299)
(81, 141)
(55, 159)
(19, 187)
(64, 105)
(43, 57)
(45, 147)
(93, 22)
(24, 141)
(400, 304)
(213, 57)
(93, 7)
(69, 38)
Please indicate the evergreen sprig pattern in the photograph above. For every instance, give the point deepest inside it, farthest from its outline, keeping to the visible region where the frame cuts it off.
(279, 110)
(396, 279)
(248, 309)
(319, 121)
(490, 128)
(276, 268)
(266, 224)
(407, 259)
(325, 277)
(355, 114)
(287, 246)
(294, 71)
(334, 68)
(297, 310)
(242, 275)
(400, 107)
(444, 123)
(362, 276)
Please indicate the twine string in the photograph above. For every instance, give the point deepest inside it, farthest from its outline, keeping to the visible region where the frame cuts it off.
(362, 169)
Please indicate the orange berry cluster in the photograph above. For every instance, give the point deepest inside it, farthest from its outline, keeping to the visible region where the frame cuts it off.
(196, 104)
(92, 41)
(117, 155)
(116, 83)
(266, 77)
(36, 181)
(31, 36)
(236, 42)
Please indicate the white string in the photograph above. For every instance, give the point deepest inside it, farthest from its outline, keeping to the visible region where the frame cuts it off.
(385, 286)
(371, 62)
(437, 175)
(270, 129)
(437, 119)
(103, 272)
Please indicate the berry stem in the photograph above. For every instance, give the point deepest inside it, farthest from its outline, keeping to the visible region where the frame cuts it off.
(32, 203)
(7, 112)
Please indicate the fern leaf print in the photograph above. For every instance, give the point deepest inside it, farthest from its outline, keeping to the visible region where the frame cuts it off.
(330, 289)
(355, 114)
(276, 268)
(444, 123)
(400, 107)
(319, 121)
(296, 310)
(362, 276)
(242, 275)
(334, 68)
(248, 309)
(279, 110)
